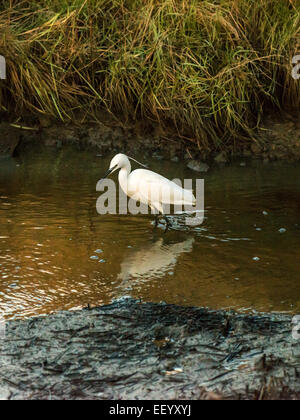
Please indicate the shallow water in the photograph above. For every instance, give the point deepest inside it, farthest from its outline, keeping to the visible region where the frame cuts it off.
(57, 253)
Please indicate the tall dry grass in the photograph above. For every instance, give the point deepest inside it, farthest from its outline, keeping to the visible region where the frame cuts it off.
(207, 68)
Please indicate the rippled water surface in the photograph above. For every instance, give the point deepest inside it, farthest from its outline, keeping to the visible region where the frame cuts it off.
(56, 252)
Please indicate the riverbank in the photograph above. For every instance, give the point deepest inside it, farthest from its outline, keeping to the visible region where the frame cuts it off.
(132, 350)
(278, 139)
(206, 72)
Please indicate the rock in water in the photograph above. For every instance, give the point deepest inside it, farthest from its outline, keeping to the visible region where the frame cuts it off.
(282, 230)
(198, 166)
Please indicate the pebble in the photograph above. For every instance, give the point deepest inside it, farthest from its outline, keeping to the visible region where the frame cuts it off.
(282, 230)
(4, 394)
(197, 166)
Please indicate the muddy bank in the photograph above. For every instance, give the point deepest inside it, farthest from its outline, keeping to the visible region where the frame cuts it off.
(10, 138)
(129, 350)
(277, 139)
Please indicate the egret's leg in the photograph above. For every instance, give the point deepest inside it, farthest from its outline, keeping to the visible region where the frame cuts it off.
(156, 215)
(156, 208)
(168, 223)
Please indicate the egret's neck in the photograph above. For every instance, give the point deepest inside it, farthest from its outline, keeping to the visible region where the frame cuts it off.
(123, 176)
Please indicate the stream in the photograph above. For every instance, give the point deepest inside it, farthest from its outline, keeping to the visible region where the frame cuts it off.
(58, 253)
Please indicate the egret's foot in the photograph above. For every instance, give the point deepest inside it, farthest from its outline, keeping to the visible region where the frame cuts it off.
(168, 224)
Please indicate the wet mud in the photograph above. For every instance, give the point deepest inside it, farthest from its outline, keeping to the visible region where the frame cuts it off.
(133, 350)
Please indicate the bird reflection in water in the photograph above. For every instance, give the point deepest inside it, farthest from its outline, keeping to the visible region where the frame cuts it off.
(151, 262)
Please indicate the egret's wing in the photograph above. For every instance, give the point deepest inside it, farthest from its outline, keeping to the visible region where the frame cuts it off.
(152, 187)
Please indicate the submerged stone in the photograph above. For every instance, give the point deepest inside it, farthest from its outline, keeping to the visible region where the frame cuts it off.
(198, 166)
(221, 158)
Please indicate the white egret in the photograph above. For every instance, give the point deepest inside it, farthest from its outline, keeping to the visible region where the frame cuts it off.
(148, 187)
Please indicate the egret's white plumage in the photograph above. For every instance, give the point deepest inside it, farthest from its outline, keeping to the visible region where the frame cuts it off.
(148, 187)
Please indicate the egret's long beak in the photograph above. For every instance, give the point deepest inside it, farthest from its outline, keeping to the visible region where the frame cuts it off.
(107, 173)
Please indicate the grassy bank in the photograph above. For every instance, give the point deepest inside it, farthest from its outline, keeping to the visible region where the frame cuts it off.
(206, 68)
